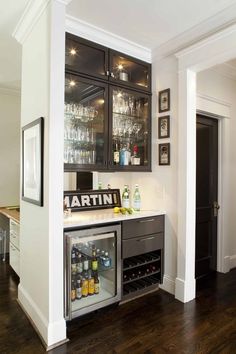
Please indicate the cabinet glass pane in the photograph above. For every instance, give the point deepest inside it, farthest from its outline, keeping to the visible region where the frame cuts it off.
(130, 128)
(85, 59)
(93, 270)
(129, 71)
(84, 122)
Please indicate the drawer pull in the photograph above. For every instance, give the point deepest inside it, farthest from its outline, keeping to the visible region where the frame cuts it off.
(148, 220)
(146, 239)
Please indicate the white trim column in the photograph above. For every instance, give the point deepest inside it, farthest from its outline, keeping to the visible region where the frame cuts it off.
(185, 281)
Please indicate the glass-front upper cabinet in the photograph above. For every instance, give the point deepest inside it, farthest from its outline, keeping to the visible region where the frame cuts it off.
(129, 71)
(85, 125)
(86, 57)
(130, 130)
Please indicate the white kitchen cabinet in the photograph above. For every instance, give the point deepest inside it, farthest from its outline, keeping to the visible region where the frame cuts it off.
(15, 246)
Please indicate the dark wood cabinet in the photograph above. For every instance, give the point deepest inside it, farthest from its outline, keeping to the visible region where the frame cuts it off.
(142, 255)
(107, 109)
(129, 71)
(85, 57)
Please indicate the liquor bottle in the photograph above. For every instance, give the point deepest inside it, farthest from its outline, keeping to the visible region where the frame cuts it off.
(96, 284)
(85, 287)
(73, 261)
(136, 198)
(107, 260)
(116, 155)
(90, 284)
(79, 264)
(73, 290)
(99, 185)
(125, 197)
(135, 159)
(86, 267)
(78, 288)
(94, 262)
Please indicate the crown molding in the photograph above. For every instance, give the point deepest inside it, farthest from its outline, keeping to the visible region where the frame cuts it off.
(9, 91)
(30, 16)
(105, 38)
(201, 31)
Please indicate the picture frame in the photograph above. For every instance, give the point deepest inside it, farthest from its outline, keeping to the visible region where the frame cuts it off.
(164, 154)
(164, 100)
(32, 162)
(163, 127)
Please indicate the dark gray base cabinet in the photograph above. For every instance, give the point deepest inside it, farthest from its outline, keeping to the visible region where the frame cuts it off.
(142, 256)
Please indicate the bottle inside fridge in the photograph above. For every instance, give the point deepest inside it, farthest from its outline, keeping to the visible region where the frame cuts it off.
(92, 269)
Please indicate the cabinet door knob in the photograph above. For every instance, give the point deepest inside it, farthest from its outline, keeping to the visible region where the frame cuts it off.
(112, 75)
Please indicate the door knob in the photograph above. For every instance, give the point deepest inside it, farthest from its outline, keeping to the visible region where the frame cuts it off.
(216, 207)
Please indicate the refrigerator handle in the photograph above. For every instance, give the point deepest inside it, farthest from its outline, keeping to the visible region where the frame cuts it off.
(67, 272)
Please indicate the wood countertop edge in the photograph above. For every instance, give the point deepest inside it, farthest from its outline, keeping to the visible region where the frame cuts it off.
(11, 214)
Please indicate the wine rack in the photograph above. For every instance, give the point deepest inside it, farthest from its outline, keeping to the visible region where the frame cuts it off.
(141, 273)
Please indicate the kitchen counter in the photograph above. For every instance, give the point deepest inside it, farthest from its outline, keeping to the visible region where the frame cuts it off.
(103, 216)
(11, 214)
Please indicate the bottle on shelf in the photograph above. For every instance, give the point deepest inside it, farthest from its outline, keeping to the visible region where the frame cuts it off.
(90, 284)
(136, 198)
(135, 159)
(73, 290)
(99, 185)
(79, 264)
(125, 197)
(116, 154)
(94, 261)
(125, 155)
(86, 267)
(96, 284)
(73, 261)
(85, 286)
(79, 288)
(106, 261)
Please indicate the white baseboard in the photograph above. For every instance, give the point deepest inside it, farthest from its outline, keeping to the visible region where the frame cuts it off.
(232, 262)
(168, 284)
(226, 264)
(185, 291)
(51, 334)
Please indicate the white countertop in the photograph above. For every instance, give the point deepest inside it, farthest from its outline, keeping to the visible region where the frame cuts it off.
(87, 218)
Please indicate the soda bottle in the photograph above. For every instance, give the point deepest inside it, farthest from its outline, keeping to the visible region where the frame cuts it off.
(125, 197)
(136, 198)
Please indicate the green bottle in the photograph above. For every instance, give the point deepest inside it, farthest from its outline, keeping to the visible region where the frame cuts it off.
(136, 199)
(125, 197)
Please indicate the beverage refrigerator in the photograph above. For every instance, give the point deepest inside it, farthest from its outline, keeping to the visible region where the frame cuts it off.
(92, 269)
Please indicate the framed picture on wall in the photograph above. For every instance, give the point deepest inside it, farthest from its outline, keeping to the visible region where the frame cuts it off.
(163, 127)
(164, 154)
(164, 100)
(32, 162)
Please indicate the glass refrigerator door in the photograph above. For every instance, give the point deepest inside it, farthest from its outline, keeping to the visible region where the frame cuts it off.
(93, 269)
(85, 126)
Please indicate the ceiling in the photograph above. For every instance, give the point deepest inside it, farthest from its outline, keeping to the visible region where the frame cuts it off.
(149, 23)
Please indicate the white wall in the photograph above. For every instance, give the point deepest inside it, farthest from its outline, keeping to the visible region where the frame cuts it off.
(220, 95)
(9, 147)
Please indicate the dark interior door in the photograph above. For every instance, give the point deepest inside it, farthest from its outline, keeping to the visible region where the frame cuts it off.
(206, 196)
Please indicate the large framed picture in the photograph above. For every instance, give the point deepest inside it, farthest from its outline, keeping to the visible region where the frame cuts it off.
(164, 100)
(164, 127)
(164, 154)
(32, 162)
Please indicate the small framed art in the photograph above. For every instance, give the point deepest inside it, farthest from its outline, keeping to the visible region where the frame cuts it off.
(163, 127)
(164, 154)
(164, 100)
(32, 162)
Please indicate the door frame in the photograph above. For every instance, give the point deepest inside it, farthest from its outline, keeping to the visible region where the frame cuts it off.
(206, 53)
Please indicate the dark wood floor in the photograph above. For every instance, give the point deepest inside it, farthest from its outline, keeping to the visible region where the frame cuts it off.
(156, 323)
